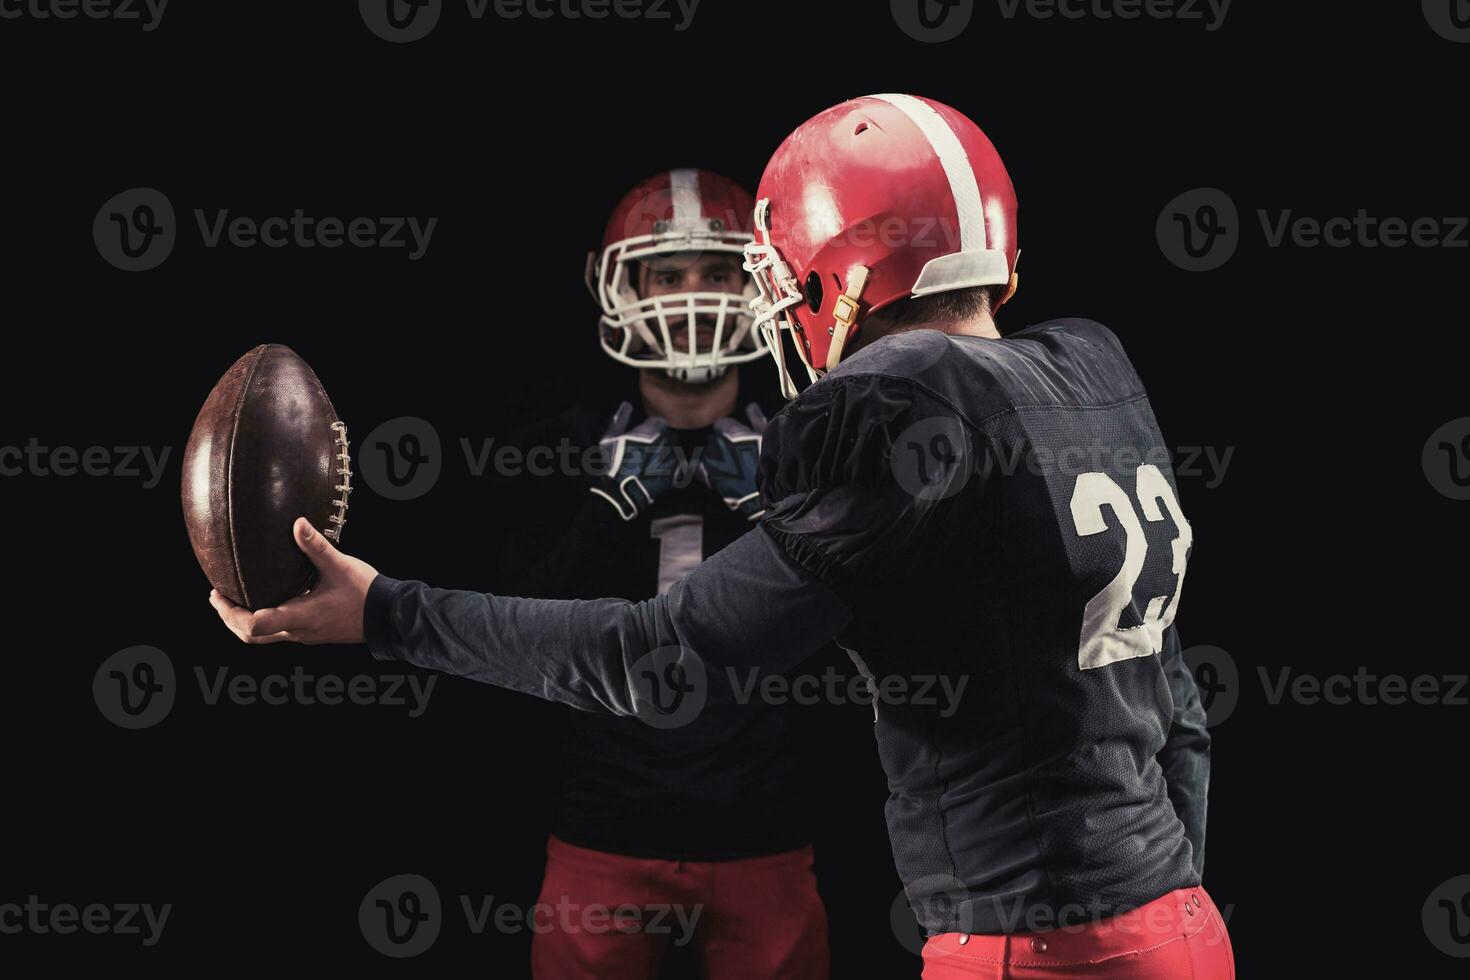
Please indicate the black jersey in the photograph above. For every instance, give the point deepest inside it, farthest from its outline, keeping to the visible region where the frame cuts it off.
(993, 513)
(725, 785)
(1004, 512)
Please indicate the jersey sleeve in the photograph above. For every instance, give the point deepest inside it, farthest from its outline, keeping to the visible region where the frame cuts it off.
(854, 473)
(748, 606)
(1185, 757)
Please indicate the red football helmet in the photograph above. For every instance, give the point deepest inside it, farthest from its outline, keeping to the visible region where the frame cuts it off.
(676, 213)
(875, 200)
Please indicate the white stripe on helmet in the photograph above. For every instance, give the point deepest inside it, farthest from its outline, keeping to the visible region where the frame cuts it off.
(684, 190)
(956, 164)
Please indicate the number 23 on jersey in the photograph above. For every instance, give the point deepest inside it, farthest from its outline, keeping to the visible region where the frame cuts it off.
(1103, 640)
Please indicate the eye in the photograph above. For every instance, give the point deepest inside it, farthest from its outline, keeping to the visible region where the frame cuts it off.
(666, 278)
(814, 292)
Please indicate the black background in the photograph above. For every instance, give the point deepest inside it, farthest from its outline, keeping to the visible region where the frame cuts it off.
(1324, 548)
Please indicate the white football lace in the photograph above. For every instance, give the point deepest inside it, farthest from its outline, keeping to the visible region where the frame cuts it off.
(344, 470)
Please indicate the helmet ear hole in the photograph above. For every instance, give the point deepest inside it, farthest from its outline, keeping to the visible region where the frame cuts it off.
(814, 292)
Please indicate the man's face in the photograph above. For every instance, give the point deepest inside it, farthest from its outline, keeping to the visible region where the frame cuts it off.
(687, 272)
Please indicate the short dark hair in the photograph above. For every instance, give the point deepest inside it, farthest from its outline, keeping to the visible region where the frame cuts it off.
(954, 304)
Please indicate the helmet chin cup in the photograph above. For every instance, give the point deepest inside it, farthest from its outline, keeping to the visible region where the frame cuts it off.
(701, 375)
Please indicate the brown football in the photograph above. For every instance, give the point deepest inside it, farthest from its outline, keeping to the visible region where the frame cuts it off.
(266, 449)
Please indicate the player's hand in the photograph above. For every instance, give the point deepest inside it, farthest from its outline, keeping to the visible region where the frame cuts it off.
(640, 464)
(730, 459)
(330, 613)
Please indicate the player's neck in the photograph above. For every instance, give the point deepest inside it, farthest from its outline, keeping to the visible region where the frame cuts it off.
(976, 326)
(689, 406)
(980, 326)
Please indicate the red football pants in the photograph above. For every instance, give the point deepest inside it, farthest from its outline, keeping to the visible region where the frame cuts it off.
(1179, 936)
(607, 917)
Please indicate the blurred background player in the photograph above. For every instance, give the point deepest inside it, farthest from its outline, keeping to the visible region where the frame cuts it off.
(705, 815)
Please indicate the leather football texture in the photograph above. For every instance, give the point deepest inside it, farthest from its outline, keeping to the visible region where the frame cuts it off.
(266, 448)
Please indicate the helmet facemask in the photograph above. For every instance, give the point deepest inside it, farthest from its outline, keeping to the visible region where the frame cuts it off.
(641, 332)
(777, 291)
(779, 294)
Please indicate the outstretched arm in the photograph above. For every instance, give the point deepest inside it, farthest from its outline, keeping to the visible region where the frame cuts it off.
(747, 606)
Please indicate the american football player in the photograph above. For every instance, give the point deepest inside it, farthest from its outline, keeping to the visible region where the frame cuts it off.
(703, 816)
(947, 502)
